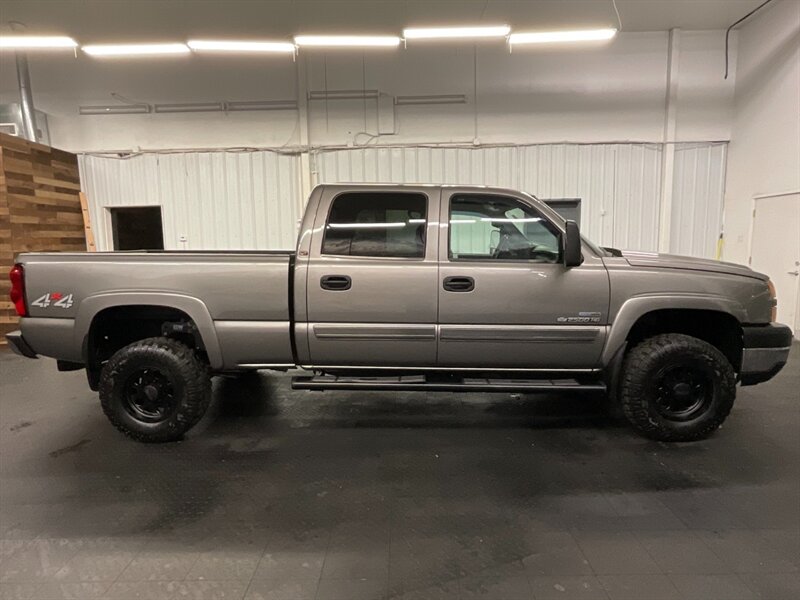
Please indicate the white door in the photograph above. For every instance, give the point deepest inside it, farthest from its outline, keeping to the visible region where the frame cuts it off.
(776, 251)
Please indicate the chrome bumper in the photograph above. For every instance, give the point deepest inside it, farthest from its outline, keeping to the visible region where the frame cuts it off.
(19, 346)
(766, 350)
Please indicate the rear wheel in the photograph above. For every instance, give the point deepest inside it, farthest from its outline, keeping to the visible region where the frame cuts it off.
(675, 387)
(155, 390)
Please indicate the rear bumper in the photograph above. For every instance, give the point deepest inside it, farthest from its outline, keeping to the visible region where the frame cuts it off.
(19, 346)
(766, 349)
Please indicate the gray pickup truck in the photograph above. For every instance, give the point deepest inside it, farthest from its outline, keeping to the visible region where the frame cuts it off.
(412, 287)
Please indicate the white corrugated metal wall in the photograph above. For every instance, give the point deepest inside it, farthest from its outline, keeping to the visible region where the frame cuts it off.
(552, 171)
(246, 200)
(619, 184)
(215, 200)
(697, 199)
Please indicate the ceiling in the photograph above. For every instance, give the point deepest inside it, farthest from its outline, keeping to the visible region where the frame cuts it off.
(93, 21)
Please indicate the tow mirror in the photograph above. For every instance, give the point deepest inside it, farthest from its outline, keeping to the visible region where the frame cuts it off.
(572, 245)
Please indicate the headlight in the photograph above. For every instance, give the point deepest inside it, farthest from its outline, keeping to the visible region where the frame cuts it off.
(774, 313)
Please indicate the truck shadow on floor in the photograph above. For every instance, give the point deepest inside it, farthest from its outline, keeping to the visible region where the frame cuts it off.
(246, 395)
(259, 397)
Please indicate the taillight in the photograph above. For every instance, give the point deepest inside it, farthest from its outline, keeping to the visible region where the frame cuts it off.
(774, 313)
(17, 277)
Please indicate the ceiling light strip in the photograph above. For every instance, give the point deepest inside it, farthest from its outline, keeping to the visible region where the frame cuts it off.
(115, 109)
(443, 33)
(241, 46)
(103, 50)
(347, 41)
(550, 37)
(23, 42)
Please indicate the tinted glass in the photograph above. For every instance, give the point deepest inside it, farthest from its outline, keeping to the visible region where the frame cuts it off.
(377, 224)
(500, 228)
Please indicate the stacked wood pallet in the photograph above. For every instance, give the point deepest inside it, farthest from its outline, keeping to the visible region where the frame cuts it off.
(40, 208)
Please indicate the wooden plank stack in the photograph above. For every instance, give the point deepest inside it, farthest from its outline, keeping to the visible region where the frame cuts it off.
(40, 209)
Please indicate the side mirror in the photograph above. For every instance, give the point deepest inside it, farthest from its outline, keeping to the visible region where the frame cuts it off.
(572, 245)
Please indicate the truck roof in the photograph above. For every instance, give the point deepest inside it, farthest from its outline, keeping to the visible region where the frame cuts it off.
(486, 188)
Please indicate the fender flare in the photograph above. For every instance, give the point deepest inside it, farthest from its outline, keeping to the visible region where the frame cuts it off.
(638, 306)
(90, 307)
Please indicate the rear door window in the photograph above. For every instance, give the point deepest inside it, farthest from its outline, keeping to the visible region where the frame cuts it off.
(380, 224)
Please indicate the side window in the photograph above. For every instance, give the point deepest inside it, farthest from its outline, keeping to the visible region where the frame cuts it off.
(484, 227)
(387, 224)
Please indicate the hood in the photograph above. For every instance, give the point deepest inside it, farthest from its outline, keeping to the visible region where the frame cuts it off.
(672, 261)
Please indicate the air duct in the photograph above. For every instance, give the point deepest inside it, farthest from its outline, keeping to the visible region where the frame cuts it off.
(431, 99)
(25, 92)
(343, 94)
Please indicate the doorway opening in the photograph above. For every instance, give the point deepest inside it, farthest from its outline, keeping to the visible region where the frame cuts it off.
(775, 250)
(137, 228)
(569, 208)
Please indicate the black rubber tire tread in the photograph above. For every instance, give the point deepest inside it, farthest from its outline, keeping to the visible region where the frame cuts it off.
(653, 353)
(191, 375)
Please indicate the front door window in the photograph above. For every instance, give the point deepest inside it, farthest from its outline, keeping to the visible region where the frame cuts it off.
(486, 227)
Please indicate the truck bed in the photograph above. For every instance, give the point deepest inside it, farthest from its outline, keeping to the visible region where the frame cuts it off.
(244, 297)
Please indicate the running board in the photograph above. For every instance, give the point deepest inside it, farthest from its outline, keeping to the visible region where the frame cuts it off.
(421, 383)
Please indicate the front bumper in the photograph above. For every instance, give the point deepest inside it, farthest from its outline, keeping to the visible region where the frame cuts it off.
(19, 346)
(766, 349)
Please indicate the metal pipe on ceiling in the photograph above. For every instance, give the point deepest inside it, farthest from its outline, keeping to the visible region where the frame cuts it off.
(25, 92)
(26, 98)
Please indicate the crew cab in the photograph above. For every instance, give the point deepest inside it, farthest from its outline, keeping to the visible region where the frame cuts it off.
(407, 287)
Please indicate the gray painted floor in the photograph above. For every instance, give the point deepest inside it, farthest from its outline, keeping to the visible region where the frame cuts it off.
(293, 495)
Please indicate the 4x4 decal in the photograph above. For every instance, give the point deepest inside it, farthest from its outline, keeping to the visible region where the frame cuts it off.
(54, 299)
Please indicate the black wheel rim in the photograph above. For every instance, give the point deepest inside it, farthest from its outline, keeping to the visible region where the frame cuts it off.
(683, 392)
(149, 395)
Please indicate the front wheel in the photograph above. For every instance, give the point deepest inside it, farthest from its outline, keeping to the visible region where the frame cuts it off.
(155, 390)
(676, 388)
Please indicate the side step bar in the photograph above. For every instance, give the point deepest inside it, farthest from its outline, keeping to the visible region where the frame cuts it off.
(421, 383)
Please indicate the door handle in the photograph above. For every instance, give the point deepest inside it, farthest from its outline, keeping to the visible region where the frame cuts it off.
(459, 284)
(335, 283)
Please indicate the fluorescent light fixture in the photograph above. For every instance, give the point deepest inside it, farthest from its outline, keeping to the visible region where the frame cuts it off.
(431, 99)
(395, 225)
(240, 46)
(189, 107)
(33, 42)
(262, 105)
(549, 37)
(523, 220)
(135, 49)
(347, 41)
(343, 94)
(449, 33)
(115, 109)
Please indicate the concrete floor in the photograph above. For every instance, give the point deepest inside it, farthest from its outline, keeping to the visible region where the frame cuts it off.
(349, 496)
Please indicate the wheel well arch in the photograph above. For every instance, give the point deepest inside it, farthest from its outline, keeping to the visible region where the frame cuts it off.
(115, 327)
(720, 329)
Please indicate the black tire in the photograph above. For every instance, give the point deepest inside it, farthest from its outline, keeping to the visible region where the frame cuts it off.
(155, 390)
(676, 388)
